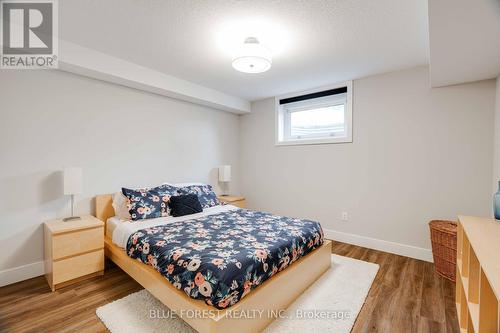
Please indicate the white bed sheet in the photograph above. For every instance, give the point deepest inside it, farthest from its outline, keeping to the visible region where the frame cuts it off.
(123, 229)
(111, 225)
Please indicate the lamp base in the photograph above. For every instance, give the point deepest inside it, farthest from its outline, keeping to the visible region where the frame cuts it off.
(71, 218)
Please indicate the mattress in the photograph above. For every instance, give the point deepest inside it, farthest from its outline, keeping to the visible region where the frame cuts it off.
(222, 256)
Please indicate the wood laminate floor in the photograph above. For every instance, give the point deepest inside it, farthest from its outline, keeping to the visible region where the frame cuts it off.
(406, 296)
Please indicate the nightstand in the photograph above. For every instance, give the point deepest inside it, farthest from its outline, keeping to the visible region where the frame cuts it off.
(74, 250)
(232, 200)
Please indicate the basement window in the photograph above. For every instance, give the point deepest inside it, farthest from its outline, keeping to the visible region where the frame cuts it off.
(315, 117)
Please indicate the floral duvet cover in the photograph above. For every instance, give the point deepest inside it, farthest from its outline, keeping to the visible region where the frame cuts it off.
(220, 258)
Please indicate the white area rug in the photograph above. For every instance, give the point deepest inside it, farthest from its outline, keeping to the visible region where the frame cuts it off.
(331, 304)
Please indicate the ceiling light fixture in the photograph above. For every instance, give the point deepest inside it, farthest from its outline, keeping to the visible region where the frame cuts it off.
(252, 57)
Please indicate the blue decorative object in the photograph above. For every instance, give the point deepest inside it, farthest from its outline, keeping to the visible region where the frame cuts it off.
(181, 205)
(496, 203)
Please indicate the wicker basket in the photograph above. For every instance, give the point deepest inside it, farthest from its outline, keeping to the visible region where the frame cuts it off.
(444, 247)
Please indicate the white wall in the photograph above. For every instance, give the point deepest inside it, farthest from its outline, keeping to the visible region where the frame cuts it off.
(120, 136)
(455, 23)
(496, 146)
(418, 154)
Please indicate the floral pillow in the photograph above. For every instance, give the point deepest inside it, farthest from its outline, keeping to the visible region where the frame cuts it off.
(149, 203)
(205, 194)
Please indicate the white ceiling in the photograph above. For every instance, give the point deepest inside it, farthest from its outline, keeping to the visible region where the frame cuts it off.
(315, 43)
(464, 40)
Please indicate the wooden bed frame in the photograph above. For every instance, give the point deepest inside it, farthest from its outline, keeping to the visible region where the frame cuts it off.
(273, 296)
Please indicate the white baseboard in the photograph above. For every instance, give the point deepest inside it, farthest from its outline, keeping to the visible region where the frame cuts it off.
(381, 245)
(21, 273)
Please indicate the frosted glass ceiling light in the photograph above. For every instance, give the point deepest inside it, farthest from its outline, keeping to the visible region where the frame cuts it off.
(252, 57)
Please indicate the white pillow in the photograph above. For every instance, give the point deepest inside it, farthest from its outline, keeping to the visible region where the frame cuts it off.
(120, 206)
(187, 184)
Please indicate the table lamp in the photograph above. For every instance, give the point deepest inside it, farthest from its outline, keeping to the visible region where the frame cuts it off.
(72, 186)
(224, 175)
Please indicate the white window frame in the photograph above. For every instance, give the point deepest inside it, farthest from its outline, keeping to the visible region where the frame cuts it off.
(282, 120)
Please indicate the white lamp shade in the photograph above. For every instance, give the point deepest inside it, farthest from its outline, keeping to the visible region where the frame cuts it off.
(72, 180)
(225, 173)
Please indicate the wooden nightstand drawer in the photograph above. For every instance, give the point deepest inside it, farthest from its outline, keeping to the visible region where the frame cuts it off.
(73, 243)
(74, 267)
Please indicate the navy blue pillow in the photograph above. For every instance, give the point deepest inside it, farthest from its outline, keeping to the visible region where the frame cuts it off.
(181, 205)
(205, 194)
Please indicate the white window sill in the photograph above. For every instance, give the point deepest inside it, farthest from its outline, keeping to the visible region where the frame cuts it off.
(323, 141)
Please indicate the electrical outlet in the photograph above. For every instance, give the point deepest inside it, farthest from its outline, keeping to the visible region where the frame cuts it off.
(345, 217)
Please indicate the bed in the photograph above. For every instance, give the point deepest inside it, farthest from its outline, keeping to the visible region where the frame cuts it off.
(225, 307)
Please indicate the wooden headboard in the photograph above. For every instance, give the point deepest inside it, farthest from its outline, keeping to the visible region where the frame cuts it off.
(104, 207)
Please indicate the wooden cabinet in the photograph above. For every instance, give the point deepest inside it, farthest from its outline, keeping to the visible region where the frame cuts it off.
(234, 200)
(74, 250)
(478, 274)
